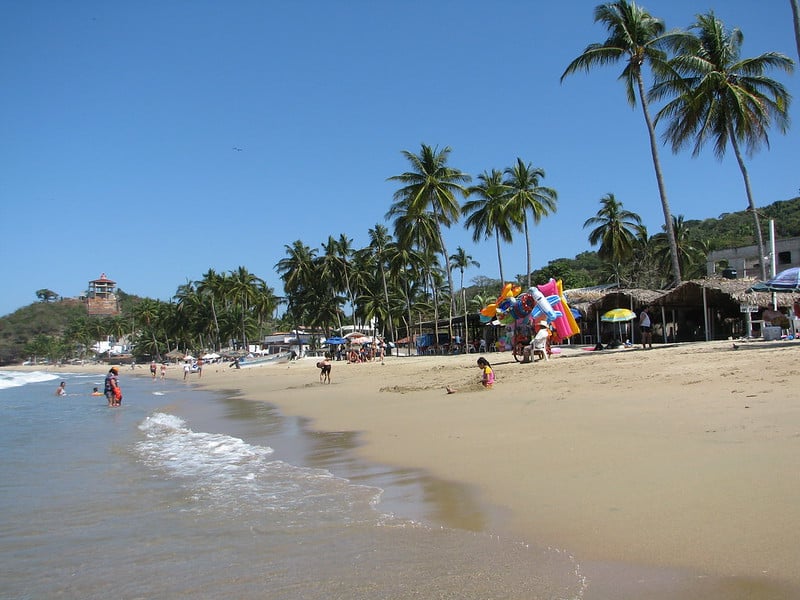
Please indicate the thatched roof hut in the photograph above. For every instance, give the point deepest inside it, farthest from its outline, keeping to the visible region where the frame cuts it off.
(720, 291)
(714, 308)
(683, 313)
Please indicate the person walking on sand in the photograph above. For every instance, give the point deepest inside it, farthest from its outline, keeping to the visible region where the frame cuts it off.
(112, 389)
(61, 390)
(645, 326)
(487, 373)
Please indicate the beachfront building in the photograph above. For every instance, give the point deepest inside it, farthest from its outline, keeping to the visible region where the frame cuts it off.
(101, 297)
(743, 262)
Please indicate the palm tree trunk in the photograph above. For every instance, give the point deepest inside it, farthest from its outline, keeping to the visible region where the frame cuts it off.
(386, 299)
(216, 325)
(796, 12)
(435, 311)
(662, 190)
(499, 256)
(528, 250)
(751, 205)
(466, 322)
(449, 282)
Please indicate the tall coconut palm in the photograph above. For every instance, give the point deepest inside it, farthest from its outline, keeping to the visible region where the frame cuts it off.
(244, 291)
(379, 239)
(690, 255)
(486, 215)
(210, 288)
(635, 37)
(405, 268)
(614, 229)
(344, 247)
(461, 260)
(149, 311)
(418, 232)
(332, 272)
(720, 96)
(431, 186)
(297, 270)
(526, 195)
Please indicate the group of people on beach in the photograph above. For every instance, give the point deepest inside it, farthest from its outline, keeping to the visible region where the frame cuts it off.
(366, 353)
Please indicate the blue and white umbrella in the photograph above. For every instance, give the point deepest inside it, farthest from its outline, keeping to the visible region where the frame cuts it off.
(785, 281)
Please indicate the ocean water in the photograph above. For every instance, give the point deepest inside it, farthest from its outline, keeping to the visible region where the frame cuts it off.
(186, 494)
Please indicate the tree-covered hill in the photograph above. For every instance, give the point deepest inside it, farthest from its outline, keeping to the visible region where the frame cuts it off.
(43, 320)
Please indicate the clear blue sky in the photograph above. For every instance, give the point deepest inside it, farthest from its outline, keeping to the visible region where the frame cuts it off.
(120, 120)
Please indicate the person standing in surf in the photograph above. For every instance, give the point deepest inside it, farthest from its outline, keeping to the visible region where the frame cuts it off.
(112, 389)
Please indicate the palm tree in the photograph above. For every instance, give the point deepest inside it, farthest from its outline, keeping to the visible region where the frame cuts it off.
(405, 268)
(210, 288)
(298, 272)
(417, 234)
(379, 239)
(461, 260)
(614, 229)
(344, 248)
(430, 186)
(635, 36)
(721, 96)
(525, 194)
(486, 215)
(332, 272)
(243, 291)
(690, 255)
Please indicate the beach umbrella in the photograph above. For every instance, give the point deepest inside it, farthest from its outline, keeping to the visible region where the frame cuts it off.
(335, 341)
(785, 281)
(619, 316)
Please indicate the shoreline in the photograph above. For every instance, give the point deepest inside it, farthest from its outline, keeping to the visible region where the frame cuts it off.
(676, 461)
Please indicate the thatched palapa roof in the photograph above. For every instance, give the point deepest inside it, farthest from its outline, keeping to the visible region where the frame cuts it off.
(719, 290)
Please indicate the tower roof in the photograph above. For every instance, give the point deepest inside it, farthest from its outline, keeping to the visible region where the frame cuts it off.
(103, 279)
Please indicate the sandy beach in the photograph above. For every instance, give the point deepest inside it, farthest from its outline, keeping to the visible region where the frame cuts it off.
(677, 460)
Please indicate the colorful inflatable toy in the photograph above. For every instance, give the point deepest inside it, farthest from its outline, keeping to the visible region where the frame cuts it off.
(547, 301)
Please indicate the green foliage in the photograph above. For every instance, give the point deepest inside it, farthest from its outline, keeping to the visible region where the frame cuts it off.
(45, 295)
(22, 327)
(62, 329)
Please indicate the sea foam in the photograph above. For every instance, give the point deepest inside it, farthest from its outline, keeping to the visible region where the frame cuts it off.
(9, 379)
